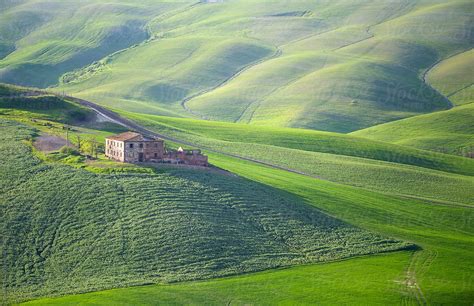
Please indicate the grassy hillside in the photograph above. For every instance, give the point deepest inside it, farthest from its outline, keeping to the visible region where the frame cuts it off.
(449, 131)
(51, 113)
(239, 138)
(453, 77)
(68, 230)
(443, 231)
(50, 106)
(410, 203)
(338, 282)
(338, 158)
(338, 66)
(167, 71)
(35, 51)
(437, 274)
(337, 132)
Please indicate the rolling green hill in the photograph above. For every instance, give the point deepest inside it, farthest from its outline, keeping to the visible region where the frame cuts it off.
(245, 139)
(453, 77)
(450, 131)
(18, 98)
(36, 51)
(68, 230)
(437, 274)
(337, 132)
(289, 286)
(338, 66)
(405, 201)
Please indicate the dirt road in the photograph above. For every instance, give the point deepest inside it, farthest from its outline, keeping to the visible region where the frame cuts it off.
(116, 118)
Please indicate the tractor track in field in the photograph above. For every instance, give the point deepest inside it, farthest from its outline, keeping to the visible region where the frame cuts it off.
(420, 262)
(368, 29)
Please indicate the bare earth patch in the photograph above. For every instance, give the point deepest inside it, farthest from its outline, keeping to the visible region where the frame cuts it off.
(49, 143)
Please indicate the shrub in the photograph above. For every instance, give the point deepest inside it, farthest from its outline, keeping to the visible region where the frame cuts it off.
(69, 151)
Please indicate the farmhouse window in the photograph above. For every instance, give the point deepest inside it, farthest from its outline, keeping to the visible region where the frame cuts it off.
(156, 154)
(131, 146)
(141, 145)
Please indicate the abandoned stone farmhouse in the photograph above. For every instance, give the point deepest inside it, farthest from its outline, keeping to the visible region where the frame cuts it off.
(131, 147)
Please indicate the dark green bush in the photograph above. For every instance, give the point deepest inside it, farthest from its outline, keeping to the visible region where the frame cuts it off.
(69, 151)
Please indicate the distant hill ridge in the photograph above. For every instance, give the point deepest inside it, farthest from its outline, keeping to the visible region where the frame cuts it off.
(340, 66)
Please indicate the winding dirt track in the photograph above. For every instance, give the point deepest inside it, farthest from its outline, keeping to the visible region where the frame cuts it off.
(116, 118)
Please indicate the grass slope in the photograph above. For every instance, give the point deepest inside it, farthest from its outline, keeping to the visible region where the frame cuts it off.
(223, 135)
(69, 230)
(442, 269)
(338, 66)
(50, 112)
(169, 71)
(35, 51)
(453, 77)
(437, 274)
(450, 131)
(339, 283)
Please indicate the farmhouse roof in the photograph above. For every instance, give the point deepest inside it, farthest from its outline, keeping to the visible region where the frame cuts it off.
(131, 136)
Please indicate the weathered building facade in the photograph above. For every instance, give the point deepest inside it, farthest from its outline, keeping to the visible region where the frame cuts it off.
(187, 157)
(133, 147)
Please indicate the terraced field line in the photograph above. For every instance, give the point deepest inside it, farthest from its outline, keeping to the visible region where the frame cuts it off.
(308, 36)
(423, 78)
(172, 13)
(370, 36)
(459, 90)
(408, 4)
(368, 30)
(276, 54)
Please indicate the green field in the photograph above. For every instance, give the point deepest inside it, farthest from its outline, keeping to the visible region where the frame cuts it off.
(425, 207)
(327, 284)
(338, 66)
(221, 134)
(94, 231)
(449, 77)
(441, 269)
(340, 136)
(449, 131)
